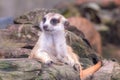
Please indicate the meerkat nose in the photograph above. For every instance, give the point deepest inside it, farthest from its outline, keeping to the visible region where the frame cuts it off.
(45, 27)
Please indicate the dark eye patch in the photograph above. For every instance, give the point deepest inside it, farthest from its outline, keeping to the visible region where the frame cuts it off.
(44, 19)
(54, 21)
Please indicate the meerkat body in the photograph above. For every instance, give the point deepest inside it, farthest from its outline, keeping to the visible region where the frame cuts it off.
(52, 47)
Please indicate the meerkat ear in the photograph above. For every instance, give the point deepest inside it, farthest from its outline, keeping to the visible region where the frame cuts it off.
(66, 24)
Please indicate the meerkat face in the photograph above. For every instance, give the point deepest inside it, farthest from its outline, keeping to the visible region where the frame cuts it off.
(52, 22)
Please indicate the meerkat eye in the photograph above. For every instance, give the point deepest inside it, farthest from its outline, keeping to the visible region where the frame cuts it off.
(54, 21)
(44, 19)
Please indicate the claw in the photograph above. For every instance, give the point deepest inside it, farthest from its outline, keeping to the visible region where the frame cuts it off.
(49, 63)
(66, 63)
(77, 67)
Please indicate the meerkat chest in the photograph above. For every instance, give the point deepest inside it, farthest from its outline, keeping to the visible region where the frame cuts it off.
(46, 43)
(53, 44)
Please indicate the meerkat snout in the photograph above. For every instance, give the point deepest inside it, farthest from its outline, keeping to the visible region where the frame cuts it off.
(45, 27)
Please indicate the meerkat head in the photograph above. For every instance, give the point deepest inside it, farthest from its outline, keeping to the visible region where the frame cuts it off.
(52, 22)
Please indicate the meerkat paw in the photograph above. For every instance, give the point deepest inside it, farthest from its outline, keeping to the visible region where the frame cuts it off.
(76, 67)
(49, 62)
(69, 61)
(43, 57)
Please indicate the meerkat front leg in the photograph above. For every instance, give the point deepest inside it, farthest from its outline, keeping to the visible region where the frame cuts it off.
(42, 56)
(62, 53)
(39, 54)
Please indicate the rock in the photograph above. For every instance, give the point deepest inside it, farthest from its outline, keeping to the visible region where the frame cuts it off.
(19, 69)
(56, 72)
(14, 45)
(13, 69)
(109, 71)
(32, 17)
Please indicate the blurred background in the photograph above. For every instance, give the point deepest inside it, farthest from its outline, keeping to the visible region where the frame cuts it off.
(17, 7)
(99, 20)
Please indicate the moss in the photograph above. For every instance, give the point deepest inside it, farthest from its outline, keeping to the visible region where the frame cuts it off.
(39, 78)
(50, 76)
(69, 10)
(77, 48)
(7, 66)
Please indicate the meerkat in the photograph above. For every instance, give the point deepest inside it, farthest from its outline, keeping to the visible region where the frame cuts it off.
(51, 46)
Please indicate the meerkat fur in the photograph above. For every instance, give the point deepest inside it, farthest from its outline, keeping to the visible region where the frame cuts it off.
(51, 46)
